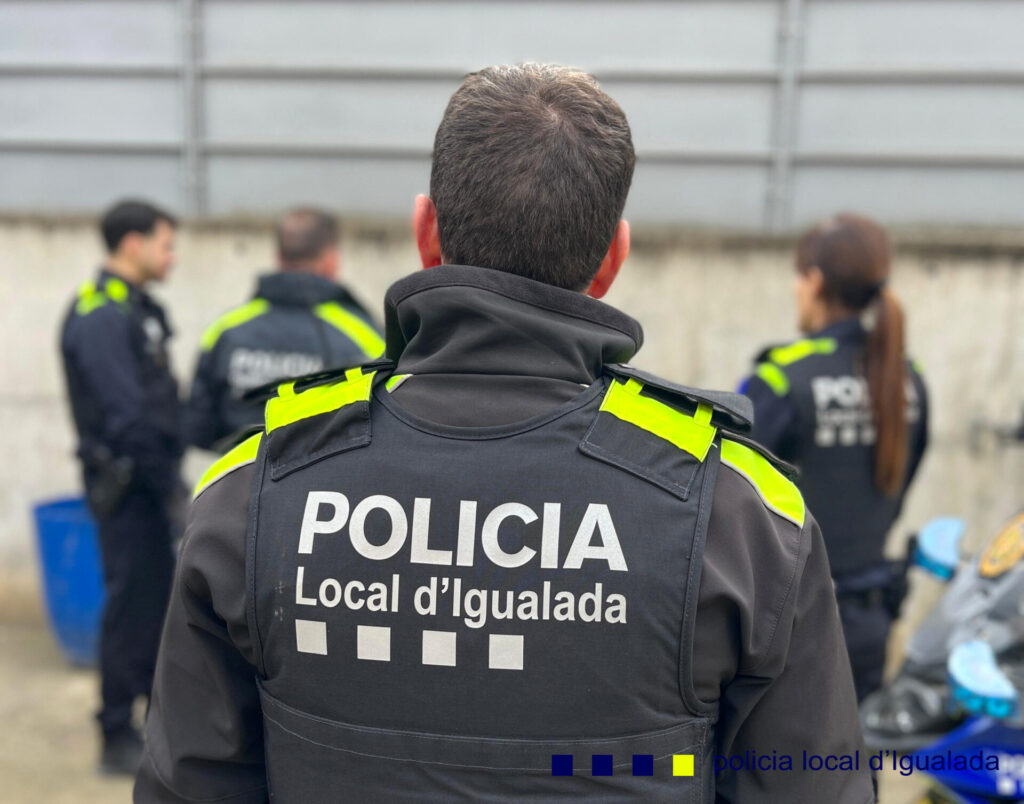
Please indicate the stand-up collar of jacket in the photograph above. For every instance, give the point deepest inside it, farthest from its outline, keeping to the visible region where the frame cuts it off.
(299, 289)
(847, 330)
(457, 319)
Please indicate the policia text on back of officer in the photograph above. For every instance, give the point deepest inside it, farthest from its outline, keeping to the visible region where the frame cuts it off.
(846, 406)
(436, 578)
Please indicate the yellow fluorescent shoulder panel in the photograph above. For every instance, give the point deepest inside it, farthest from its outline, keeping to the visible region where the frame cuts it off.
(288, 408)
(242, 455)
(232, 319)
(784, 355)
(774, 378)
(778, 492)
(692, 434)
(361, 333)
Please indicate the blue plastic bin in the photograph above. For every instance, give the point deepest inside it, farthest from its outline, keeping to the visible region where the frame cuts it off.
(72, 576)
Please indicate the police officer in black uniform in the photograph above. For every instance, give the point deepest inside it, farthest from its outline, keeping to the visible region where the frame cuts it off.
(124, 401)
(847, 407)
(299, 321)
(502, 564)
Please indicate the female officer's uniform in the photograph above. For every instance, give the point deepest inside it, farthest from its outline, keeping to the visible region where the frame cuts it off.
(813, 409)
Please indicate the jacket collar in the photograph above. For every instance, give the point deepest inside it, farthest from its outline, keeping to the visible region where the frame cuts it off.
(848, 330)
(297, 289)
(457, 319)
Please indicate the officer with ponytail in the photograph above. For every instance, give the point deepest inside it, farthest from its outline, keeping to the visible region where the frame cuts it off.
(846, 406)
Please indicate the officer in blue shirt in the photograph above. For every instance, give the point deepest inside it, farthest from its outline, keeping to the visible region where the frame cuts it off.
(299, 321)
(850, 410)
(124, 400)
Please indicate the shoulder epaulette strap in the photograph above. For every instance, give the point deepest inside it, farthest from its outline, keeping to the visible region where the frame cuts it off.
(294, 402)
(231, 319)
(691, 433)
(771, 477)
(91, 297)
(732, 411)
(241, 455)
(265, 392)
(787, 354)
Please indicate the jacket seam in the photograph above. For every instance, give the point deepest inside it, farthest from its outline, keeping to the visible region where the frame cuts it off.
(785, 600)
(688, 692)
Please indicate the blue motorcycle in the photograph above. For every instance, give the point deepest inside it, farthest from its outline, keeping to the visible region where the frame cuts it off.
(954, 710)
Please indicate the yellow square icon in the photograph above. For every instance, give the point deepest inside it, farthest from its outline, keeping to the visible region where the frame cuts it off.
(682, 764)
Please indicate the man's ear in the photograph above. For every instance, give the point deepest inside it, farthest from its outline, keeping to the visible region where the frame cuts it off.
(618, 250)
(424, 224)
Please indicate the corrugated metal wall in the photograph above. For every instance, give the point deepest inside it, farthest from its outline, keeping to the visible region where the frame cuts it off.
(756, 115)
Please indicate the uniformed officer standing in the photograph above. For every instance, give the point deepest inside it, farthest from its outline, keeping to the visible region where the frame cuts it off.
(299, 321)
(124, 400)
(503, 555)
(846, 406)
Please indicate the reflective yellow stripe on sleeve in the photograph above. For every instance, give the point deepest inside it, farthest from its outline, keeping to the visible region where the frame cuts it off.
(362, 334)
(230, 320)
(241, 455)
(692, 434)
(289, 407)
(775, 489)
(774, 378)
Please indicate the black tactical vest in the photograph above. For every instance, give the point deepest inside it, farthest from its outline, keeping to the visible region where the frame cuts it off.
(448, 613)
(836, 450)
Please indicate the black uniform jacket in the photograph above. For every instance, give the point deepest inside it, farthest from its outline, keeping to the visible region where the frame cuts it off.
(768, 647)
(296, 323)
(124, 399)
(812, 408)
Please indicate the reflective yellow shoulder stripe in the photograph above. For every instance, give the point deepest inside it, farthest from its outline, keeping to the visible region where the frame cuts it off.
(241, 455)
(394, 381)
(778, 493)
(116, 289)
(289, 407)
(361, 333)
(230, 320)
(774, 378)
(692, 434)
(86, 304)
(784, 355)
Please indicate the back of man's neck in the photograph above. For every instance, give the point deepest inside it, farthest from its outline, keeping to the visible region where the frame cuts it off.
(123, 270)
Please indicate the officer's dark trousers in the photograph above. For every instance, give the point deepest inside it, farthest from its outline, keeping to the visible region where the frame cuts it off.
(866, 624)
(138, 565)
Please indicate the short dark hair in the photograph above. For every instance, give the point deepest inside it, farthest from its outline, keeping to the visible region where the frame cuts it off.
(532, 165)
(303, 233)
(130, 216)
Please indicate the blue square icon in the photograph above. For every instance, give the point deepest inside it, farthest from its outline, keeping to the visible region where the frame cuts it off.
(643, 764)
(561, 764)
(601, 765)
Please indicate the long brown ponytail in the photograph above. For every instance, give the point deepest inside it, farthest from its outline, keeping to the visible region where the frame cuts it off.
(854, 256)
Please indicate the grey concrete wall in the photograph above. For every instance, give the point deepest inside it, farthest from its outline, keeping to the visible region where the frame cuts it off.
(706, 305)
